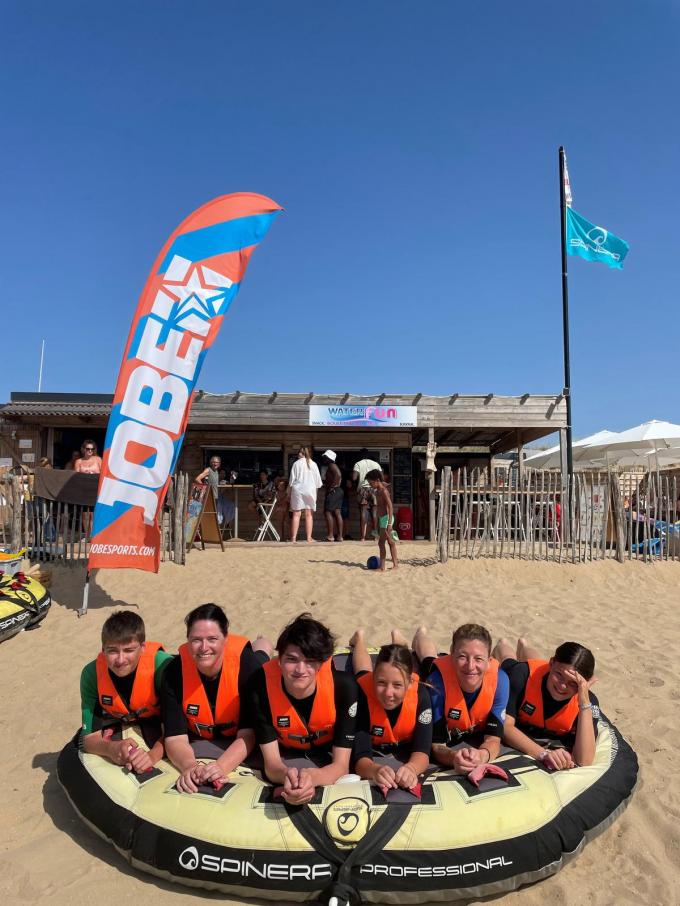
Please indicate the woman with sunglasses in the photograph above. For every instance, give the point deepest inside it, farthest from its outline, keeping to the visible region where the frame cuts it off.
(88, 464)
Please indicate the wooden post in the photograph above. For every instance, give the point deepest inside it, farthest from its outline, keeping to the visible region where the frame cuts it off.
(441, 540)
(617, 516)
(520, 459)
(184, 495)
(15, 539)
(431, 484)
(445, 502)
(564, 468)
(178, 517)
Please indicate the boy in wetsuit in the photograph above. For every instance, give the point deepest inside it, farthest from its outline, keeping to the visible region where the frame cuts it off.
(385, 518)
(303, 712)
(119, 687)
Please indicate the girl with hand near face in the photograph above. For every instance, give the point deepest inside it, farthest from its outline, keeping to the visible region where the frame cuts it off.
(303, 712)
(469, 697)
(201, 698)
(394, 716)
(551, 700)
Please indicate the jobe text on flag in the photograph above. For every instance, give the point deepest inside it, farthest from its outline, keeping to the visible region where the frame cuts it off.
(196, 276)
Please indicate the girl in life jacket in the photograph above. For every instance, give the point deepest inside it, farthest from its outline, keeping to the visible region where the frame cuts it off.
(469, 697)
(394, 719)
(551, 701)
(301, 708)
(201, 697)
(122, 686)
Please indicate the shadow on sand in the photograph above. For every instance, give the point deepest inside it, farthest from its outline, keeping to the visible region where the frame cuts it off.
(65, 819)
(410, 561)
(351, 563)
(67, 578)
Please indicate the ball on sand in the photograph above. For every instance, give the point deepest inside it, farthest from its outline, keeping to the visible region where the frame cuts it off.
(372, 563)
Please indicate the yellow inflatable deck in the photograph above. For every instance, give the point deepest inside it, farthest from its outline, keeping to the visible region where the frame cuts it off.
(24, 602)
(351, 844)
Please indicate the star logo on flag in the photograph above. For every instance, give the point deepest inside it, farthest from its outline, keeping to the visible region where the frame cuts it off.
(202, 292)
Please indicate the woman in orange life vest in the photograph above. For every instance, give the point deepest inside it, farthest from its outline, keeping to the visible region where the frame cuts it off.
(303, 712)
(394, 716)
(122, 686)
(551, 700)
(201, 697)
(469, 696)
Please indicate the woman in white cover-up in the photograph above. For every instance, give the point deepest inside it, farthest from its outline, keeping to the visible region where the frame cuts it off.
(304, 484)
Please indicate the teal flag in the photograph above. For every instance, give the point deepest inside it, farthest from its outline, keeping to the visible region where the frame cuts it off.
(594, 243)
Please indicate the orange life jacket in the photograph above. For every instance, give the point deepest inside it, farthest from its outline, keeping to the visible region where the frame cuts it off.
(290, 727)
(531, 709)
(383, 734)
(458, 718)
(200, 718)
(143, 700)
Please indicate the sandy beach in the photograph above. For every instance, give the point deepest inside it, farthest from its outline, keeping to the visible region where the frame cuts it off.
(628, 615)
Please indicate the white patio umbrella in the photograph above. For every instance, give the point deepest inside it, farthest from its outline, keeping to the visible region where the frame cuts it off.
(630, 458)
(651, 443)
(550, 459)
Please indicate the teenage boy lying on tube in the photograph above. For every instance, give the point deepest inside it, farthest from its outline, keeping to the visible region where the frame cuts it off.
(469, 697)
(303, 712)
(122, 686)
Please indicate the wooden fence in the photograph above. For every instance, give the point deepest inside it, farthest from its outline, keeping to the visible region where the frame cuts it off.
(60, 532)
(533, 518)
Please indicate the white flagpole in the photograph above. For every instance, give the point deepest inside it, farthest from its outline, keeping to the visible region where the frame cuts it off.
(42, 357)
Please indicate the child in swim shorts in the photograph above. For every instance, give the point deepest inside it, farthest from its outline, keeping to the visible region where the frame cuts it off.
(385, 518)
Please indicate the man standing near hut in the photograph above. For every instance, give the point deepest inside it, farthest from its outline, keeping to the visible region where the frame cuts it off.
(334, 495)
(365, 495)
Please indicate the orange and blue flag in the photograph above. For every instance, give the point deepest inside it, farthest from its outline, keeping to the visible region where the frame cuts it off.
(192, 284)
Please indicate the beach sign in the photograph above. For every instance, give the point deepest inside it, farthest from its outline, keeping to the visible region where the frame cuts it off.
(359, 416)
(191, 285)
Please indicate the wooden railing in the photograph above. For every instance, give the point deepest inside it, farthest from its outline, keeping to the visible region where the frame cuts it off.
(60, 532)
(535, 518)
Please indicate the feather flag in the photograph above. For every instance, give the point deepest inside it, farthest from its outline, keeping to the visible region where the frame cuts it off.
(192, 284)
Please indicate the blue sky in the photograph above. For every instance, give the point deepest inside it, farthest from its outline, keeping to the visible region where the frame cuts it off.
(414, 148)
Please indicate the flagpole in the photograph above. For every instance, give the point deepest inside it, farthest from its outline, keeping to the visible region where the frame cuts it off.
(42, 358)
(565, 321)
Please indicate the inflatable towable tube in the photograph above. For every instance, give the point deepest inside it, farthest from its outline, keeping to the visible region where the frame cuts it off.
(457, 841)
(24, 602)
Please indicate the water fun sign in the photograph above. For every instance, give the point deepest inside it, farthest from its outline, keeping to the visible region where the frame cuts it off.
(191, 285)
(363, 416)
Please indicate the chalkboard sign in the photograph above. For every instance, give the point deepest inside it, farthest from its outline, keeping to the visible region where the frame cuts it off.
(202, 516)
(401, 461)
(401, 486)
(195, 505)
(402, 483)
